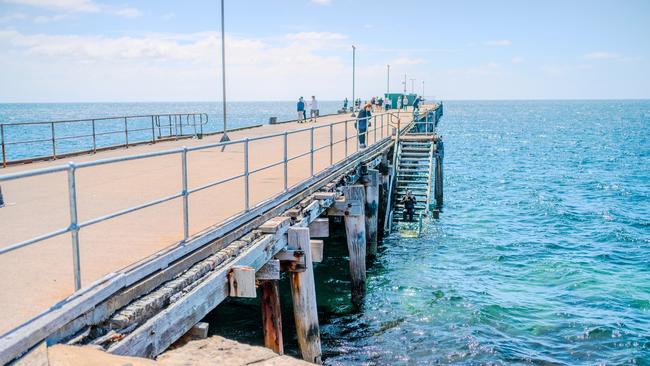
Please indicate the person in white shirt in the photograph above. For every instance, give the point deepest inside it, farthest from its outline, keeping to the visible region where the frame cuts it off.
(313, 109)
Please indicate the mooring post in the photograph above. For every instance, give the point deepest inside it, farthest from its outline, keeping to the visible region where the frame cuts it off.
(440, 153)
(355, 229)
(303, 293)
(272, 316)
(371, 210)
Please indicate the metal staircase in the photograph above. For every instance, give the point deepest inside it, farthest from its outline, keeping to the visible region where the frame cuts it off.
(415, 163)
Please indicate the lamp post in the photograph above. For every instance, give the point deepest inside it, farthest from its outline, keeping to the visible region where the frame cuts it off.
(404, 83)
(224, 137)
(387, 79)
(423, 88)
(354, 101)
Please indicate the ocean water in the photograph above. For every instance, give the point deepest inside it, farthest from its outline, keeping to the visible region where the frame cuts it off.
(541, 255)
(77, 136)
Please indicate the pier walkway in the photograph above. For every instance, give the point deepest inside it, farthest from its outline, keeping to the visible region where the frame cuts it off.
(34, 277)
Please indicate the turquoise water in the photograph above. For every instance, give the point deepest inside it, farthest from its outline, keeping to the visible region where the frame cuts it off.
(77, 136)
(541, 255)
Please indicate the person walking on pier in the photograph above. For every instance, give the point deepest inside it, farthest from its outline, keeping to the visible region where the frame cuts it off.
(313, 109)
(345, 104)
(409, 202)
(363, 122)
(301, 110)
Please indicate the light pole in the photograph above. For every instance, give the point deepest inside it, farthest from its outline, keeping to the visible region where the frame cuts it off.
(422, 88)
(224, 137)
(412, 86)
(354, 101)
(404, 83)
(387, 79)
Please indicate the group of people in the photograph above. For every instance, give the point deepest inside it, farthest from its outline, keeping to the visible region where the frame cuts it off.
(313, 110)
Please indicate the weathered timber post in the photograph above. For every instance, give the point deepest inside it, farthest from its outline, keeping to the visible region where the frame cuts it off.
(303, 293)
(384, 171)
(268, 277)
(440, 153)
(272, 316)
(371, 210)
(355, 229)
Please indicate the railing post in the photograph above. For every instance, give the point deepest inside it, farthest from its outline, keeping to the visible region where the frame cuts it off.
(126, 133)
(74, 229)
(153, 131)
(94, 139)
(346, 138)
(331, 144)
(186, 217)
(375, 129)
(311, 152)
(286, 162)
(2, 141)
(357, 137)
(246, 177)
(53, 140)
(180, 124)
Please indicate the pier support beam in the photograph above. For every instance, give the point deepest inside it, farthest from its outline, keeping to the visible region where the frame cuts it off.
(271, 316)
(303, 293)
(440, 153)
(372, 211)
(355, 229)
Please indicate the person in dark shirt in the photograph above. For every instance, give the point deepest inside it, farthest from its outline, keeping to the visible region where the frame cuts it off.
(409, 202)
(416, 103)
(301, 110)
(363, 118)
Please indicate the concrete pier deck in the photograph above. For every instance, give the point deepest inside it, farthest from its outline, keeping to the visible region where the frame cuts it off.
(34, 278)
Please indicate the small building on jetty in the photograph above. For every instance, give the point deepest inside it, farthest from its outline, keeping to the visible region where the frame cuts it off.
(141, 245)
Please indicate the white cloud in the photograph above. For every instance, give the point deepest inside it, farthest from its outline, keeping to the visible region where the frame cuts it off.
(517, 60)
(169, 67)
(601, 55)
(498, 43)
(11, 17)
(47, 19)
(77, 6)
(321, 2)
(82, 6)
(407, 61)
(553, 70)
(128, 12)
(168, 16)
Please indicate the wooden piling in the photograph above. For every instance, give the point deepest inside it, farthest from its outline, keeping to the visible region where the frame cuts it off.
(438, 192)
(372, 211)
(303, 293)
(272, 316)
(355, 229)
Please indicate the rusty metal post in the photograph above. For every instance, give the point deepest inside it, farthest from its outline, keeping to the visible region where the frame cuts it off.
(53, 141)
(126, 133)
(2, 142)
(94, 138)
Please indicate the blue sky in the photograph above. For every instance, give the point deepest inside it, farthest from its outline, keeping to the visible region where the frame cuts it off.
(94, 50)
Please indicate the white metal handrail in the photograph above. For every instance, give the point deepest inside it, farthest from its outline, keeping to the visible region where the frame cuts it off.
(71, 168)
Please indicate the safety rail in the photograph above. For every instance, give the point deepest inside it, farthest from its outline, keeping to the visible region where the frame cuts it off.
(380, 127)
(49, 138)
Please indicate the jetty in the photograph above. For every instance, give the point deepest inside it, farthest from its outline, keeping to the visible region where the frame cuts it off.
(127, 250)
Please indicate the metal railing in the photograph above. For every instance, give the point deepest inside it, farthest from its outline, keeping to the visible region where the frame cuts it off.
(380, 131)
(46, 138)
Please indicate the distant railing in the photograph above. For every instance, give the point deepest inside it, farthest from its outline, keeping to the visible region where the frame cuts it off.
(55, 139)
(381, 131)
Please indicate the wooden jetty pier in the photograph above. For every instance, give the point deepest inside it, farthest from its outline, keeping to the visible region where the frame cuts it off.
(127, 251)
